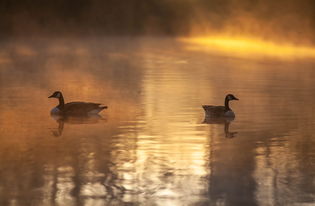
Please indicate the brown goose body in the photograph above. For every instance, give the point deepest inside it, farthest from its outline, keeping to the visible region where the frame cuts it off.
(214, 111)
(220, 111)
(75, 108)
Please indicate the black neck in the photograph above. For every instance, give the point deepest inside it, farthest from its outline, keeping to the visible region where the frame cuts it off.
(61, 102)
(226, 103)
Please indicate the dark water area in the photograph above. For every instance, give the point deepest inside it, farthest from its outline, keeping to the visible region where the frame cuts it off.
(152, 145)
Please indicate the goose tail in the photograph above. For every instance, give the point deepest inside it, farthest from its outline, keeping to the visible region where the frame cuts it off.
(206, 107)
(103, 107)
(96, 111)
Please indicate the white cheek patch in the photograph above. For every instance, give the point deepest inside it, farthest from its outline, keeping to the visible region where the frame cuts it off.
(58, 95)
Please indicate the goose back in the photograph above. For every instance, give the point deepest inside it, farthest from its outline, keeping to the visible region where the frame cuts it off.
(215, 111)
(77, 108)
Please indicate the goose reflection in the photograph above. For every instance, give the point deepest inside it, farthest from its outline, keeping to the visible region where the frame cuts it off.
(221, 120)
(78, 119)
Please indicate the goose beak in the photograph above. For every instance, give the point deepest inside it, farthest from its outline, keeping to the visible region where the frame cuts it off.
(51, 96)
(236, 98)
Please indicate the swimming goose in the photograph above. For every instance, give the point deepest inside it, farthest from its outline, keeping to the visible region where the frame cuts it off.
(220, 111)
(74, 108)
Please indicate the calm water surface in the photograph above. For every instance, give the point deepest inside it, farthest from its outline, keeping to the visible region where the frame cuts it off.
(152, 146)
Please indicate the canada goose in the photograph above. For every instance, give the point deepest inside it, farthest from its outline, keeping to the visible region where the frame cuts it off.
(220, 111)
(74, 108)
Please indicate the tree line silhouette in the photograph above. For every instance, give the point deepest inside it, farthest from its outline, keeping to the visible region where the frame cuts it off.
(155, 17)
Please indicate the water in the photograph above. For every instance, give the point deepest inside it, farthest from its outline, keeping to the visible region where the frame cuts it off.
(152, 147)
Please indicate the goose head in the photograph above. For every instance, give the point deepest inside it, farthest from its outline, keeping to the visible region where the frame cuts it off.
(56, 94)
(230, 97)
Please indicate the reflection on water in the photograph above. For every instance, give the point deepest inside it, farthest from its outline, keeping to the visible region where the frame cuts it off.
(153, 146)
(226, 121)
(62, 119)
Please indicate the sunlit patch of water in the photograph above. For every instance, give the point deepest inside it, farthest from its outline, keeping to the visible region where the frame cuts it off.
(248, 47)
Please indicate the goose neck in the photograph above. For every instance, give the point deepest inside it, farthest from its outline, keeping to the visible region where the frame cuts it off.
(226, 103)
(61, 102)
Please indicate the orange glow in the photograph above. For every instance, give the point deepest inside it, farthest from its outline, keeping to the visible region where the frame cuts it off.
(248, 47)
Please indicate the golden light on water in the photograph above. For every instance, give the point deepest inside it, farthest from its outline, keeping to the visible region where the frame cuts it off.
(248, 47)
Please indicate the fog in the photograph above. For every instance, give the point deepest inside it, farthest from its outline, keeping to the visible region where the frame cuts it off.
(283, 20)
(154, 63)
(152, 146)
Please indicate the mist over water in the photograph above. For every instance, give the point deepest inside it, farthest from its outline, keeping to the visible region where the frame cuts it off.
(154, 63)
(152, 146)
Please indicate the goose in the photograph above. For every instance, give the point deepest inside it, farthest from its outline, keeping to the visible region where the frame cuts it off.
(220, 111)
(74, 108)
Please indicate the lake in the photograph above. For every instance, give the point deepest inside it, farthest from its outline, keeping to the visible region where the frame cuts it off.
(152, 145)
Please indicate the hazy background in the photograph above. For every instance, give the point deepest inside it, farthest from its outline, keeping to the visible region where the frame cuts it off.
(268, 19)
(153, 146)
